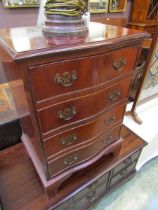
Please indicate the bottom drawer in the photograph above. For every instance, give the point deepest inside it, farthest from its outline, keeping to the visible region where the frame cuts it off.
(103, 180)
(90, 198)
(123, 173)
(80, 155)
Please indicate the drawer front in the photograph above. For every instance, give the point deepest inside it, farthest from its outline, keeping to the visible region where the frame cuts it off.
(53, 79)
(91, 197)
(67, 205)
(128, 161)
(61, 163)
(123, 173)
(64, 115)
(84, 133)
(103, 180)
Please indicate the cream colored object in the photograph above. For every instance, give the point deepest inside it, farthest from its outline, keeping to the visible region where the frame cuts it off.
(148, 113)
(41, 16)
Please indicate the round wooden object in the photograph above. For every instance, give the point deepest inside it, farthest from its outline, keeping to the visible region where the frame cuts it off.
(57, 25)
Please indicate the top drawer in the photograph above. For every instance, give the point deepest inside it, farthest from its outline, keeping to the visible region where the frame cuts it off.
(52, 79)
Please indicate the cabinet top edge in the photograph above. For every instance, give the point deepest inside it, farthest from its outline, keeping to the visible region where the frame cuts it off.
(28, 42)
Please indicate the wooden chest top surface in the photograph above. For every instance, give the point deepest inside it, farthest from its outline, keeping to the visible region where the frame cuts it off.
(27, 42)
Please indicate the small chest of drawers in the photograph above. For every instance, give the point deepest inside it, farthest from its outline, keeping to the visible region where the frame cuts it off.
(75, 95)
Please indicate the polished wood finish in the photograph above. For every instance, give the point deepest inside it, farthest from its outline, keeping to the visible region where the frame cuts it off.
(92, 69)
(141, 17)
(97, 103)
(66, 84)
(57, 164)
(21, 188)
(80, 135)
(37, 44)
(137, 102)
(110, 21)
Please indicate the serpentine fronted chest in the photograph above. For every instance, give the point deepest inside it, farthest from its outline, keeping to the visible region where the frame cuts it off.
(70, 94)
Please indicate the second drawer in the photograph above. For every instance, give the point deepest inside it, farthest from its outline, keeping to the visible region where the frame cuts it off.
(70, 113)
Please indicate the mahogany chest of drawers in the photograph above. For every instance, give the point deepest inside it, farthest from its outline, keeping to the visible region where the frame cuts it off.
(73, 95)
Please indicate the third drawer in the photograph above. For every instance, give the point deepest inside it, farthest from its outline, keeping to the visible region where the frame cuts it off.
(85, 133)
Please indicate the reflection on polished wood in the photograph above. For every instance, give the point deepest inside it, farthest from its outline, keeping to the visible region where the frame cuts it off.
(30, 41)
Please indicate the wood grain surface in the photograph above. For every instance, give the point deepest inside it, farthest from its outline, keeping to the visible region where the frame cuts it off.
(21, 188)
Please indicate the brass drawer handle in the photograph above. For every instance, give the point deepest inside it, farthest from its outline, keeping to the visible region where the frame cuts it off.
(68, 113)
(111, 120)
(69, 140)
(66, 79)
(128, 161)
(114, 96)
(123, 172)
(119, 65)
(92, 196)
(70, 160)
(93, 186)
(108, 139)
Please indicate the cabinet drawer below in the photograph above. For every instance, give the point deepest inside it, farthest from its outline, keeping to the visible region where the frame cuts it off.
(122, 174)
(128, 161)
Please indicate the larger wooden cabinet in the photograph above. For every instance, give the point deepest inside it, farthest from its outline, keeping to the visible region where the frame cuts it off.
(144, 15)
(75, 91)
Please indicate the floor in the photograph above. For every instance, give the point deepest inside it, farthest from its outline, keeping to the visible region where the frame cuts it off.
(140, 193)
(147, 130)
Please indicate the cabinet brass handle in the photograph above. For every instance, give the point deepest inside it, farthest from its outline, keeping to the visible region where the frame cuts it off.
(93, 185)
(111, 120)
(70, 160)
(128, 161)
(123, 172)
(66, 79)
(68, 113)
(92, 196)
(119, 64)
(114, 96)
(107, 139)
(69, 140)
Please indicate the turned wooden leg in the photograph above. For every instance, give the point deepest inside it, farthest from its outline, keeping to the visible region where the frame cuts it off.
(135, 116)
